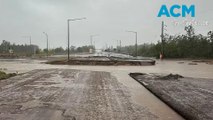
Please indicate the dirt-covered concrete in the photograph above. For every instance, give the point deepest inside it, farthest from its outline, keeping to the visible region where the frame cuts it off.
(103, 61)
(190, 97)
(61, 94)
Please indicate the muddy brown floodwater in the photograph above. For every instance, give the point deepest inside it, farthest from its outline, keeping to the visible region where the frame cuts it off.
(139, 95)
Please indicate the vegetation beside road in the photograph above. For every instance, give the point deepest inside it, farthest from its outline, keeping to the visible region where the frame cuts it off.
(189, 45)
(9, 50)
(4, 75)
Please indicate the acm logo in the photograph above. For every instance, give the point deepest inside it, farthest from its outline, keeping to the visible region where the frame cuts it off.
(177, 11)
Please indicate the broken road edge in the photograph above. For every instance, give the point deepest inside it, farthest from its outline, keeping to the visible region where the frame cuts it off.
(166, 98)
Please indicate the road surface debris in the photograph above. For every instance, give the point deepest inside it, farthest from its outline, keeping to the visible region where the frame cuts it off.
(61, 94)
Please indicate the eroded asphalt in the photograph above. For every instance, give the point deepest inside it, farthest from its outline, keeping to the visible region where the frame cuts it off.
(62, 94)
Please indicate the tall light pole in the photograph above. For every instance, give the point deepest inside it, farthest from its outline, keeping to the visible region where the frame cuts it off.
(68, 35)
(47, 42)
(136, 42)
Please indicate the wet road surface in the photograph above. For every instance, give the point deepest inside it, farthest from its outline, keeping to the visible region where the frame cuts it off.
(61, 94)
(139, 95)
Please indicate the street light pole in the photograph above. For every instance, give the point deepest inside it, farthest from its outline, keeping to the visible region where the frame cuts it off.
(47, 42)
(68, 34)
(136, 42)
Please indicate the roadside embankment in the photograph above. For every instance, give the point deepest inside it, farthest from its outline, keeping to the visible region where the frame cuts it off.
(102, 61)
(190, 97)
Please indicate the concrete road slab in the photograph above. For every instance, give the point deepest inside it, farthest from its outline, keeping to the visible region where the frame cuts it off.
(62, 94)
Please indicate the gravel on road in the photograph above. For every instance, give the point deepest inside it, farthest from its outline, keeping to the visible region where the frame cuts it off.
(62, 94)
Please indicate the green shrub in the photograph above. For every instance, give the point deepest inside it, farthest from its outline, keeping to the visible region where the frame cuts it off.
(4, 75)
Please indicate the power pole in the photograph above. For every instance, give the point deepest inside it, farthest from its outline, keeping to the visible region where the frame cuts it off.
(136, 44)
(162, 38)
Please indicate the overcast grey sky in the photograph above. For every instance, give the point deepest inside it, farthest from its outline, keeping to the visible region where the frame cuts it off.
(108, 18)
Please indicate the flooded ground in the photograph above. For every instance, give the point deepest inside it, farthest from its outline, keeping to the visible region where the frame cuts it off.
(139, 94)
(201, 70)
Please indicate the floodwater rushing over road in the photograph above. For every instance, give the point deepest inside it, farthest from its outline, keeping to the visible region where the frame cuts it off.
(155, 109)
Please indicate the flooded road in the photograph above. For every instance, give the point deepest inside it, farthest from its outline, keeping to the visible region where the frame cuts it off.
(139, 94)
(65, 94)
(201, 70)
